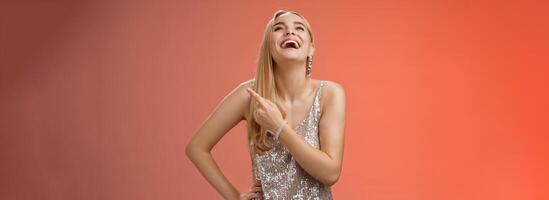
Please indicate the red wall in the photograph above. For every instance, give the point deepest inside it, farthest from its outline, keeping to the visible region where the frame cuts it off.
(446, 99)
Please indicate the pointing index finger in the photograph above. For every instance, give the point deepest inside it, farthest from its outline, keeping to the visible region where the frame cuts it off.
(256, 96)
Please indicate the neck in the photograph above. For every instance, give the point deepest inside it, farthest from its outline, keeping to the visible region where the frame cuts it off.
(291, 82)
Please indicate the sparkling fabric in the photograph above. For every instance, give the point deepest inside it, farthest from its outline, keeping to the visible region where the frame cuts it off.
(280, 175)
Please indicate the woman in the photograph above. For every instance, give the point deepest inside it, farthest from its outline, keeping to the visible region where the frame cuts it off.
(295, 123)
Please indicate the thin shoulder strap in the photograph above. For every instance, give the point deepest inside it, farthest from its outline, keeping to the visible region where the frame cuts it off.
(322, 83)
(319, 92)
(316, 104)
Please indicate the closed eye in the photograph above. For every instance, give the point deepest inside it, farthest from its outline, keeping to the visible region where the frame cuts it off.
(300, 28)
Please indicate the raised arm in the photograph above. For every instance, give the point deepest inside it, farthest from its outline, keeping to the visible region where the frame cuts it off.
(230, 111)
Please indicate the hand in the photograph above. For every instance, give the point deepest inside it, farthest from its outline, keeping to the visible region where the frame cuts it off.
(255, 192)
(266, 114)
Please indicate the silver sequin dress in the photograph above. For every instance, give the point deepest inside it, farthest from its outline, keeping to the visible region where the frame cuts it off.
(280, 175)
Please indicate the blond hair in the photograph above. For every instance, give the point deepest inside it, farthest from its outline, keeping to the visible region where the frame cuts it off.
(264, 84)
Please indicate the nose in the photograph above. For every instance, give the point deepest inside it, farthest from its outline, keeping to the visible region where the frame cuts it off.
(290, 31)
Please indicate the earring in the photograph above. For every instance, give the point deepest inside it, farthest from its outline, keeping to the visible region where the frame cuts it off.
(309, 65)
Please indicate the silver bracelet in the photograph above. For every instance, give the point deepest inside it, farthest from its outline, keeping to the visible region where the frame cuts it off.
(277, 133)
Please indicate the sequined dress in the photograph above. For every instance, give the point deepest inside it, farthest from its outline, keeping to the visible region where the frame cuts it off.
(280, 175)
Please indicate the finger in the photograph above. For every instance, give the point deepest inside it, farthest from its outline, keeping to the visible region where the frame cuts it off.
(259, 101)
(253, 93)
(256, 189)
(259, 112)
(249, 196)
(257, 105)
(256, 113)
(254, 195)
(256, 96)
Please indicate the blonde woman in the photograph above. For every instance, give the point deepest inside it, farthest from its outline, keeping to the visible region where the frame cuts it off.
(295, 123)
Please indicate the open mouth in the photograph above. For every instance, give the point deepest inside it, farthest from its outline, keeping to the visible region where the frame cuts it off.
(290, 44)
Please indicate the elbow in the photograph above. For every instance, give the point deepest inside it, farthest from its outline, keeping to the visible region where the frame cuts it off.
(191, 151)
(332, 178)
(194, 151)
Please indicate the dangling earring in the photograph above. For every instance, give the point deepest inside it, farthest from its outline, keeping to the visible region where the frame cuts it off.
(309, 65)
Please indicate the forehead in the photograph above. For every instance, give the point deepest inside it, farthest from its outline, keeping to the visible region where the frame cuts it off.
(288, 18)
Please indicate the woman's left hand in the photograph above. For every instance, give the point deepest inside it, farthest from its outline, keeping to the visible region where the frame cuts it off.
(255, 193)
(266, 112)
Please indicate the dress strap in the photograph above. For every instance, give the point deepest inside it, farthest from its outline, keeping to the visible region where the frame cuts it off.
(322, 83)
(316, 104)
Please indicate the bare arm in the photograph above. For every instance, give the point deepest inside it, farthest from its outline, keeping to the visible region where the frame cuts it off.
(226, 115)
(324, 164)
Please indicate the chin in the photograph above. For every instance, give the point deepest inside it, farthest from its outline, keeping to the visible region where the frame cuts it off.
(291, 57)
(288, 60)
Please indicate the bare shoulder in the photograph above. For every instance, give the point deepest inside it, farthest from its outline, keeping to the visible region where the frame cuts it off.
(247, 84)
(243, 96)
(333, 95)
(237, 101)
(332, 90)
(240, 90)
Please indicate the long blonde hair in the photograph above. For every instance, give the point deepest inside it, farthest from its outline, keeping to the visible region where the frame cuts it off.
(264, 84)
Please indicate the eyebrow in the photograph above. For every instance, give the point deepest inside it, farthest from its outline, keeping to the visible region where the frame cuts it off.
(296, 22)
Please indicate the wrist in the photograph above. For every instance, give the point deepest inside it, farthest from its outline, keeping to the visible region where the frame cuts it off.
(285, 130)
(279, 129)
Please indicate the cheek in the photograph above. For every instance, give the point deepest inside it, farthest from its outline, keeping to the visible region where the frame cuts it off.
(307, 44)
(307, 38)
(273, 46)
(273, 42)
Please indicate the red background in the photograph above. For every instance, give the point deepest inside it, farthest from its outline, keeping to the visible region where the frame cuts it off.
(446, 99)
